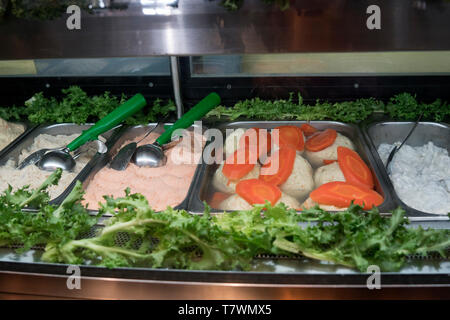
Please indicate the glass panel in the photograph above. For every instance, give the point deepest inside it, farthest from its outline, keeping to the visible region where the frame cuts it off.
(324, 64)
(86, 67)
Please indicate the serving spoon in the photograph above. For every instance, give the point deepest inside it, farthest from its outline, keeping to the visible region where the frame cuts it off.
(152, 155)
(124, 156)
(51, 159)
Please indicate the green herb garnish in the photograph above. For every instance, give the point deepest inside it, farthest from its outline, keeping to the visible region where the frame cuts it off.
(77, 107)
(400, 107)
(137, 236)
(49, 224)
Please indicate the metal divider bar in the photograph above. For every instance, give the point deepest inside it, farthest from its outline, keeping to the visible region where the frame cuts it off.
(175, 70)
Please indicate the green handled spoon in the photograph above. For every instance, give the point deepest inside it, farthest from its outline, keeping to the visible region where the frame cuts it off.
(51, 159)
(152, 155)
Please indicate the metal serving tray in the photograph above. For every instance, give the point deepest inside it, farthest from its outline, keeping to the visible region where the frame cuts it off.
(390, 132)
(28, 128)
(55, 129)
(117, 140)
(203, 189)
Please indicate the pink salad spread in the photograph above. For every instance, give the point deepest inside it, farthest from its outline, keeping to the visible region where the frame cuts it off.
(163, 186)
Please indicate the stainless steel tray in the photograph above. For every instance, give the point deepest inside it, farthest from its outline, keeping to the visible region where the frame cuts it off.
(28, 128)
(203, 189)
(117, 140)
(390, 132)
(55, 129)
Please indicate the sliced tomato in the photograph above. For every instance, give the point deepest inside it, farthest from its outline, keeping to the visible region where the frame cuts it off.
(256, 191)
(321, 140)
(239, 164)
(291, 136)
(308, 130)
(354, 168)
(341, 194)
(326, 162)
(285, 157)
(217, 199)
(259, 137)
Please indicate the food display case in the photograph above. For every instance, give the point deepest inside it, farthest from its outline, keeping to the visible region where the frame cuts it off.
(322, 53)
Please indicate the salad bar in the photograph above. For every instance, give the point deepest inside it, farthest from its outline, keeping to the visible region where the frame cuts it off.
(225, 149)
(201, 225)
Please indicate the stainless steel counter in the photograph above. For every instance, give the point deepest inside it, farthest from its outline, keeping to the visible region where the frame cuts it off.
(198, 27)
(34, 286)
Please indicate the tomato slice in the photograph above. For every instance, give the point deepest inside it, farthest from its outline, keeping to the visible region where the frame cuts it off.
(259, 137)
(285, 157)
(217, 199)
(308, 130)
(354, 168)
(256, 191)
(291, 136)
(341, 194)
(239, 164)
(321, 140)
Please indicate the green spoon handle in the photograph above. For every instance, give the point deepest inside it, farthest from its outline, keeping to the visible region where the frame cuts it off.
(119, 114)
(196, 113)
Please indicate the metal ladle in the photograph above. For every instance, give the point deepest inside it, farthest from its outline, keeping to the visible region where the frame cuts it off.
(127, 153)
(149, 156)
(58, 157)
(51, 159)
(152, 155)
(55, 159)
